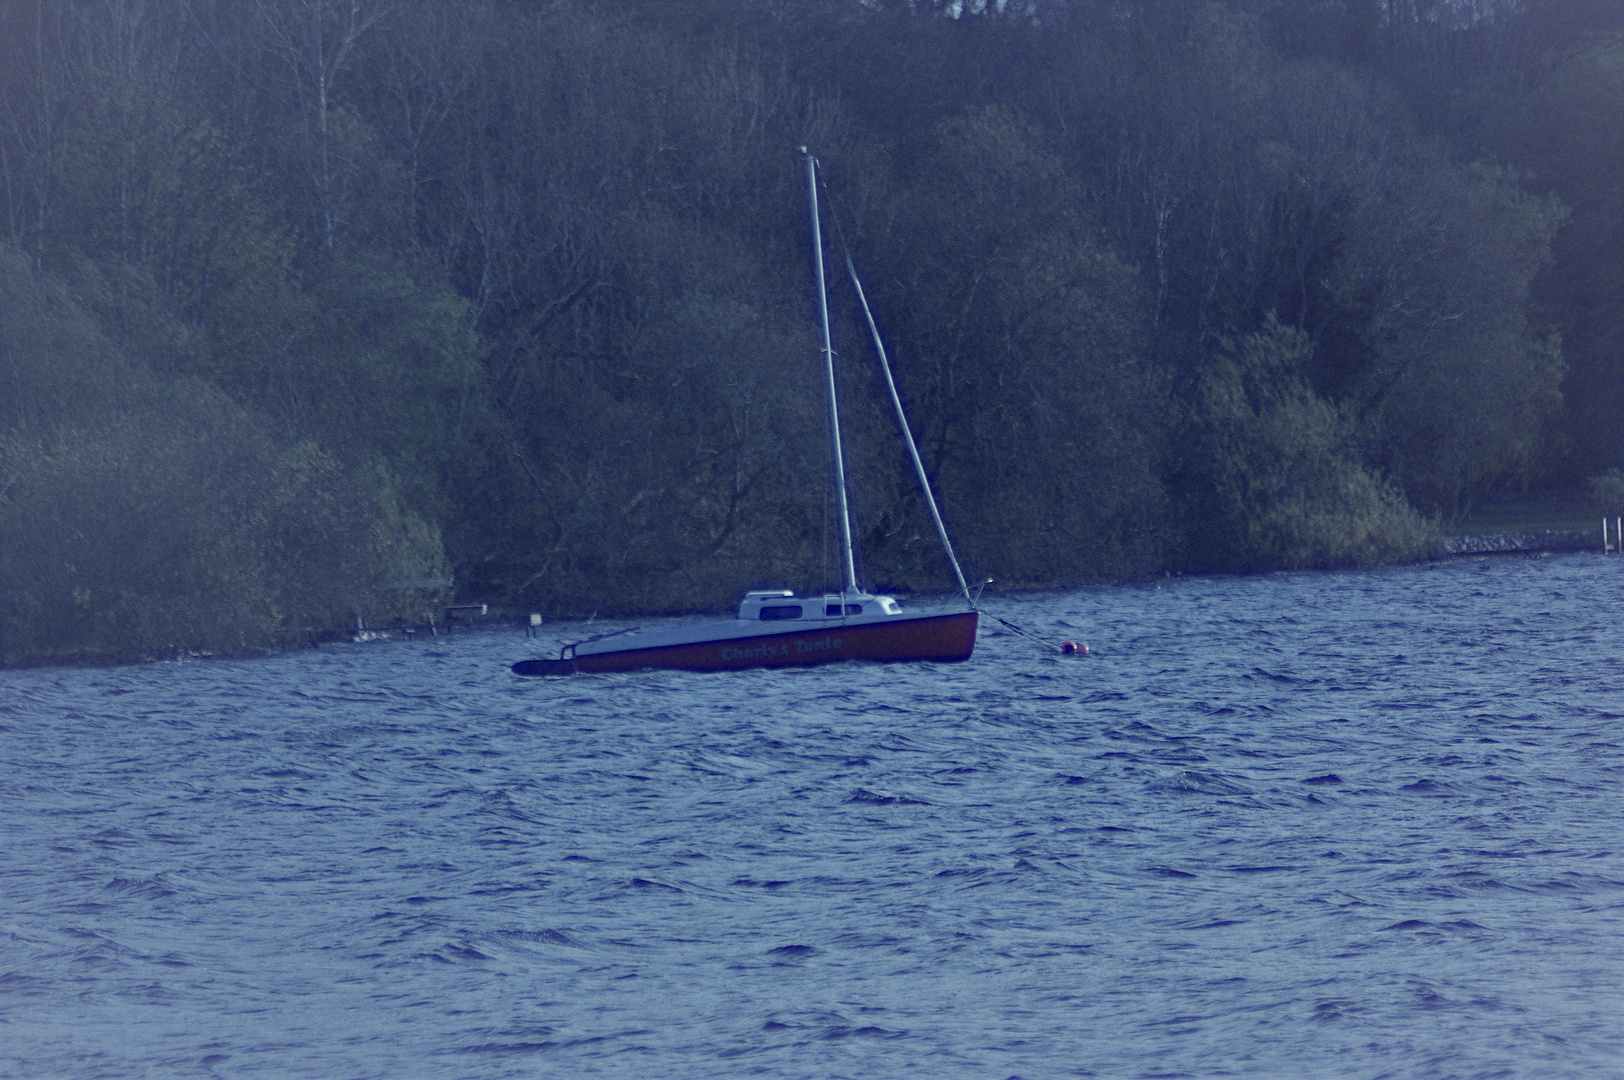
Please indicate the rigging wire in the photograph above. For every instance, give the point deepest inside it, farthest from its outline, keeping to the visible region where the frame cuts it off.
(1067, 648)
(896, 401)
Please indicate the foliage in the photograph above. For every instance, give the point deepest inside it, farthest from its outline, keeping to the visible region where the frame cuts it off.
(1607, 491)
(517, 294)
(1274, 479)
(1020, 340)
(143, 514)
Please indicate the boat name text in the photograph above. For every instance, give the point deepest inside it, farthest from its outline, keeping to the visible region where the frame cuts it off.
(770, 651)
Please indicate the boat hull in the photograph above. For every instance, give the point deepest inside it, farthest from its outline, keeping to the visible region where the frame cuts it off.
(948, 637)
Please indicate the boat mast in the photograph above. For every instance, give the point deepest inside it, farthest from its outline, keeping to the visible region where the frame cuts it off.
(847, 565)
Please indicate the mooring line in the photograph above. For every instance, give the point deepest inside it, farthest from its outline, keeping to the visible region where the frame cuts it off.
(1065, 648)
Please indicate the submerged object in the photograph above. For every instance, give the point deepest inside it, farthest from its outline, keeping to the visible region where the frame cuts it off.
(777, 629)
(774, 628)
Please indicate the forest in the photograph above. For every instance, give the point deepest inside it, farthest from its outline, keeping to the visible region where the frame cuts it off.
(317, 311)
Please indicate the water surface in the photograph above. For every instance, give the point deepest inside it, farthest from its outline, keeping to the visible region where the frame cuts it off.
(1362, 824)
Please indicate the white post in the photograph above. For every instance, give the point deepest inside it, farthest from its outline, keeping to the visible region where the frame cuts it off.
(1604, 548)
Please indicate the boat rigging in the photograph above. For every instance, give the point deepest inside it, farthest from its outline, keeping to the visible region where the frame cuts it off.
(774, 627)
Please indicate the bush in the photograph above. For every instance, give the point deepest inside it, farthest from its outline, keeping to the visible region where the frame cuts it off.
(183, 529)
(143, 515)
(1275, 482)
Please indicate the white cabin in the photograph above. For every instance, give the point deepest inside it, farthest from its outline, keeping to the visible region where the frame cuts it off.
(782, 605)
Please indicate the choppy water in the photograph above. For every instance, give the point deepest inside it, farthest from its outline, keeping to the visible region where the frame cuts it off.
(1362, 824)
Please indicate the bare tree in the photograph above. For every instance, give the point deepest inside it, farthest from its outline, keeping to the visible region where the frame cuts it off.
(315, 41)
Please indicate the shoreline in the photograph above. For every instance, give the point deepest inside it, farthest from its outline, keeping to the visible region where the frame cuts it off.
(1520, 542)
(1449, 546)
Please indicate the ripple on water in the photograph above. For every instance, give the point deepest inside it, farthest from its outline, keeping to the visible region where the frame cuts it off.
(1295, 824)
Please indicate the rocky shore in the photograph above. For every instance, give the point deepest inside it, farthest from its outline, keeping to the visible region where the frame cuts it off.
(1508, 543)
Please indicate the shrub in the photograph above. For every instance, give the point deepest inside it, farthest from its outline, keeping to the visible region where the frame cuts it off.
(1275, 481)
(184, 529)
(1607, 491)
(144, 514)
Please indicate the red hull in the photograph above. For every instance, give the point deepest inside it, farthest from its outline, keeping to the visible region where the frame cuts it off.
(927, 637)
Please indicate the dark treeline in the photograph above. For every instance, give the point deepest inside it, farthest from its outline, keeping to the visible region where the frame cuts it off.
(309, 308)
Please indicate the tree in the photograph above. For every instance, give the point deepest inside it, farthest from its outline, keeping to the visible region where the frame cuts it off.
(1018, 340)
(314, 42)
(143, 512)
(1271, 475)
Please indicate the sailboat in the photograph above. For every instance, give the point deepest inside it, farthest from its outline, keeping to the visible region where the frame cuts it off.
(774, 627)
